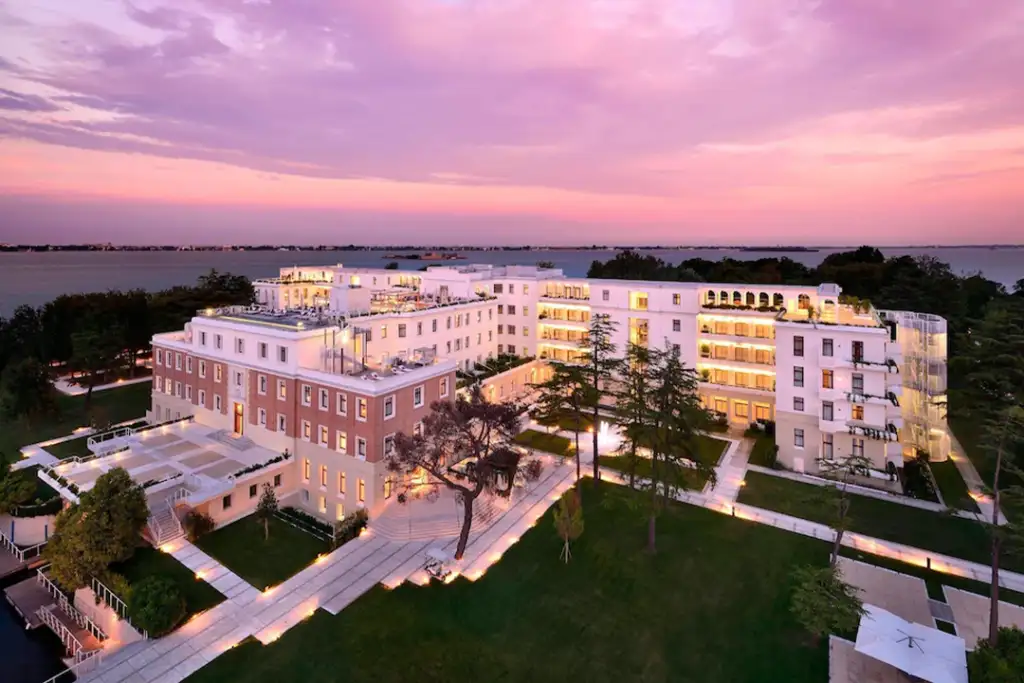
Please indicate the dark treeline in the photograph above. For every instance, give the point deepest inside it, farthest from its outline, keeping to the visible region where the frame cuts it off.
(95, 335)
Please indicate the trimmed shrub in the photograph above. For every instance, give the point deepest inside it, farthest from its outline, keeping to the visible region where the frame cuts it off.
(197, 524)
(156, 605)
(1001, 664)
(349, 528)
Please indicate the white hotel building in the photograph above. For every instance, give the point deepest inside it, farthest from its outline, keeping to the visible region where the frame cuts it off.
(331, 362)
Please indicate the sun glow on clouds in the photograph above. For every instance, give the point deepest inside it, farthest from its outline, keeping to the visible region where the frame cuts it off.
(653, 113)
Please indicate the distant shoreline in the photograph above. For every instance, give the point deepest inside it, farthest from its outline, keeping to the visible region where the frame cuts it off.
(435, 252)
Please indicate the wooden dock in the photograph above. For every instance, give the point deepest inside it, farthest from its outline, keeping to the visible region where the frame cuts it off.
(9, 563)
(27, 597)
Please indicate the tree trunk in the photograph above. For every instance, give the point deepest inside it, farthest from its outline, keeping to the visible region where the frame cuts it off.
(632, 467)
(88, 391)
(266, 528)
(835, 547)
(651, 547)
(597, 470)
(577, 452)
(467, 522)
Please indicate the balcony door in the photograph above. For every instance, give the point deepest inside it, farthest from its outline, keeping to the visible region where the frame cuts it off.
(239, 415)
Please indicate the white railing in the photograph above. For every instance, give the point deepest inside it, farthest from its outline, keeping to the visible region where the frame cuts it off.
(69, 609)
(109, 436)
(86, 662)
(114, 602)
(71, 643)
(23, 554)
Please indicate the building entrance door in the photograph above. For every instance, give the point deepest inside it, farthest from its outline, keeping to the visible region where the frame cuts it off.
(239, 419)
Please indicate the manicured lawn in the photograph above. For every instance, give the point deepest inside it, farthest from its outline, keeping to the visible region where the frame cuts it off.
(762, 452)
(550, 443)
(712, 606)
(685, 476)
(952, 486)
(924, 529)
(148, 561)
(241, 548)
(113, 405)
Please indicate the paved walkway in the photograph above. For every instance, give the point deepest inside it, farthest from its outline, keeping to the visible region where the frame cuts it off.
(332, 582)
(975, 485)
(64, 386)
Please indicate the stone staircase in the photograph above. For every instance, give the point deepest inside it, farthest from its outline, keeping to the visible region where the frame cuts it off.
(163, 526)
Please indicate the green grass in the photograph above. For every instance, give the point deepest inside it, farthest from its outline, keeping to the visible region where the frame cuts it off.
(711, 606)
(148, 561)
(542, 441)
(241, 548)
(113, 405)
(762, 452)
(952, 486)
(690, 478)
(923, 529)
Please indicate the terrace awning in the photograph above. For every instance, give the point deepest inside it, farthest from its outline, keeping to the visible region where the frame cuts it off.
(920, 651)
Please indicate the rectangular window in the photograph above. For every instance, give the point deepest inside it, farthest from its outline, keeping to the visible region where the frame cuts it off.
(339, 511)
(188, 364)
(827, 411)
(263, 349)
(202, 369)
(342, 442)
(433, 325)
(218, 372)
(383, 331)
(417, 397)
(676, 299)
(827, 451)
(798, 438)
(389, 407)
(361, 496)
(202, 339)
(798, 376)
(324, 436)
(307, 395)
(401, 330)
(322, 505)
(188, 392)
(858, 383)
(307, 430)
(282, 354)
(305, 469)
(511, 289)
(389, 444)
(827, 379)
(202, 397)
(325, 400)
(282, 390)
(798, 346)
(361, 409)
(218, 402)
(281, 422)
(857, 413)
(605, 295)
(277, 480)
(226, 502)
(218, 342)
(252, 490)
(263, 417)
(361, 447)
(762, 412)
(826, 347)
(858, 350)
(239, 345)
(341, 483)
(499, 289)
(742, 409)
(501, 329)
(159, 356)
(511, 309)
(342, 405)
(323, 475)
(677, 326)
(858, 447)
(419, 329)
(262, 384)
(159, 382)
(798, 404)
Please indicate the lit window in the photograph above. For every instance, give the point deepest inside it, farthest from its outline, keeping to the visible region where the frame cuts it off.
(305, 469)
(307, 430)
(341, 483)
(307, 395)
(362, 491)
(323, 475)
(339, 511)
(323, 505)
(218, 372)
(324, 438)
(444, 387)
(282, 390)
(188, 364)
(342, 442)
(361, 409)
(827, 379)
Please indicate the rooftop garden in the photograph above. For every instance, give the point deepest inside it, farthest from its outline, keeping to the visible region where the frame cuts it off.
(491, 367)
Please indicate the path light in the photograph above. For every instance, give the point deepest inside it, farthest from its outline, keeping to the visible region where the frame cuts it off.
(200, 575)
(319, 558)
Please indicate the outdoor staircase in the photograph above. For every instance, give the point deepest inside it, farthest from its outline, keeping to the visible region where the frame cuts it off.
(163, 526)
(422, 520)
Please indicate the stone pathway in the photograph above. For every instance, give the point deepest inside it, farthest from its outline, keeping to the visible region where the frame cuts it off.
(332, 583)
(971, 477)
(731, 469)
(66, 387)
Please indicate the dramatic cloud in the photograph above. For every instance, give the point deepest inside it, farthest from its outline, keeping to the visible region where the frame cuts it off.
(675, 106)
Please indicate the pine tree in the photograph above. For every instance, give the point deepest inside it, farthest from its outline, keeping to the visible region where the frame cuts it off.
(600, 365)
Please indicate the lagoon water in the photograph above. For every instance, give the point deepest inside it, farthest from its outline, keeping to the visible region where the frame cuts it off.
(35, 278)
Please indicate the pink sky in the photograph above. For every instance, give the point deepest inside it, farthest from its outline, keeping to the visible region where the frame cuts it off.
(512, 121)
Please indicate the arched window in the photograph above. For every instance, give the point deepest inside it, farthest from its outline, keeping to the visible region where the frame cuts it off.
(723, 297)
(737, 299)
(804, 301)
(750, 299)
(762, 300)
(711, 297)
(779, 300)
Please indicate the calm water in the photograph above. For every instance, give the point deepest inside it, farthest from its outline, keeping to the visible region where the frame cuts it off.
(26, 656)
(35, 278)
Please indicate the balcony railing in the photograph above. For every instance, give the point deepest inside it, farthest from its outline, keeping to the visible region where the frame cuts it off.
(857, 397)
(860, 428)
(707, 329)
(727, 385)
(565, 296)
(888, 363)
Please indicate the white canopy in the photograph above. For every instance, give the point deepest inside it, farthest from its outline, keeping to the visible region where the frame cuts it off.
(921, 651)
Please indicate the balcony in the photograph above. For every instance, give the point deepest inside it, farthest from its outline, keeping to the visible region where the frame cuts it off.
(561, 323)
(741, 389)
(872, 399)
(888, 432)
(733, 335)
(744, 362)
(889, 363)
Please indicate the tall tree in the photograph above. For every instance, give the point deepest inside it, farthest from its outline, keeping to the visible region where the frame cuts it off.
(560, 402)
(26, 390)
(600, 366)
(835, 497)
(631, 406)
(667, 422)
(96, 349)
(471, 430)
(103, 528)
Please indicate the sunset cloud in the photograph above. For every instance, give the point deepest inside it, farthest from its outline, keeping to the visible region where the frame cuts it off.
(658, 111)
